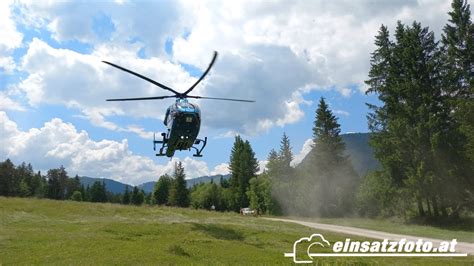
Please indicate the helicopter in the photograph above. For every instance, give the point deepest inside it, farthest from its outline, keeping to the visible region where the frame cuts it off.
(182, 119)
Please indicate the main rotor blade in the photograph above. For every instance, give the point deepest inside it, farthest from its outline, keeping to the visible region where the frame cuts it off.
(141, 98)
(143, 77)
(223, 99)
(203, 74)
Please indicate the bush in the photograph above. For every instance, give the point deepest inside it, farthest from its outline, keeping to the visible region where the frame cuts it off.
(76, 196)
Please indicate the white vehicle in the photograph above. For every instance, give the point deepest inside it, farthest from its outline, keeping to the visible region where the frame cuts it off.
(247, 211)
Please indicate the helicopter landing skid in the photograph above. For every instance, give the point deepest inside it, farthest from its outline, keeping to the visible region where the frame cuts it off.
(199, 150)
(164, 144)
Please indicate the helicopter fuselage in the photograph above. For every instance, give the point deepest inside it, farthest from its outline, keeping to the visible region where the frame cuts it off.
(183, 120)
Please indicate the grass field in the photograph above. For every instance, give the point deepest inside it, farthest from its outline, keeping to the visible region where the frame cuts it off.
(463, 232)
(36, 231)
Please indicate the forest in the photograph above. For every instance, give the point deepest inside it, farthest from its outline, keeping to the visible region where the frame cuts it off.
(422, 132)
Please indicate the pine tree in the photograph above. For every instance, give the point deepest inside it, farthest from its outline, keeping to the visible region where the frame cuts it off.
(273, 165)
(458, 46)
(23, 177)
(179, 193)
(87, 195)
(38, 185)
(134, 198)
(285, 155)
(458, 57)
(63, 180)
(334, 172)
(98, 192)
(224, 183)
(326, 138)
(161, 190)
(83, 192)
(243, 166)
(414, 135)
(138, 196)
(458, 81)
(7, 176)
(55, 190)
(126, 196)
(73, 184)
(23, 189)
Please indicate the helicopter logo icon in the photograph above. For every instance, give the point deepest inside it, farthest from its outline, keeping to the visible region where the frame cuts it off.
(302, 248)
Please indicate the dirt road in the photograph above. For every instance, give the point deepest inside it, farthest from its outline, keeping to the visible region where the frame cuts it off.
(461, 247)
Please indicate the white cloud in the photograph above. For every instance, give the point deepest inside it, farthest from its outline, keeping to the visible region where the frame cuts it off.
(140, 132)
(307, 146)
(341, 112)
(59, 143)
(6, 103)
(7, 64)
(10, 38)
(262, 166)
(221, 169)
(128, 20)
(345, 92)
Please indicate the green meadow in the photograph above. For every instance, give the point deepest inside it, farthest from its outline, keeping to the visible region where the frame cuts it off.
(37, 231)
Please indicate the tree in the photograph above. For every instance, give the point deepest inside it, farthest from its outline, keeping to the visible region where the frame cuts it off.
(273, 164)
(259, 194)
(376, 195)
(334, 172)
(285, 157)
(87, 194)
(72, 184)
(57, 180)
(458, 47)
(179, 194)
(161, 190)
(38, 185)
(204, 196)
(415, 133)
(126, 196)
(458, 81)
(148, 198)
(138, 196)
(279, 164)
(7, 176)
(22, 182)
(243, 166)
(76, 196)
(23, 189)
(98, 192)
(224, 183)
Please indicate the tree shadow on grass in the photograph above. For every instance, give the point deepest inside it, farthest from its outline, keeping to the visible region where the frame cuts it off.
(178, 250)
(218, 232)
(453, 224)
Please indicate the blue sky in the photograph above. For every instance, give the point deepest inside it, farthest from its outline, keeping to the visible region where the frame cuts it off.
(285, 55)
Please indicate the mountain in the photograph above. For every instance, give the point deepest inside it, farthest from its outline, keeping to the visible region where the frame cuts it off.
(206, 179)
(111, 185)
(118, 187)
(359, 151)
(148, 186)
